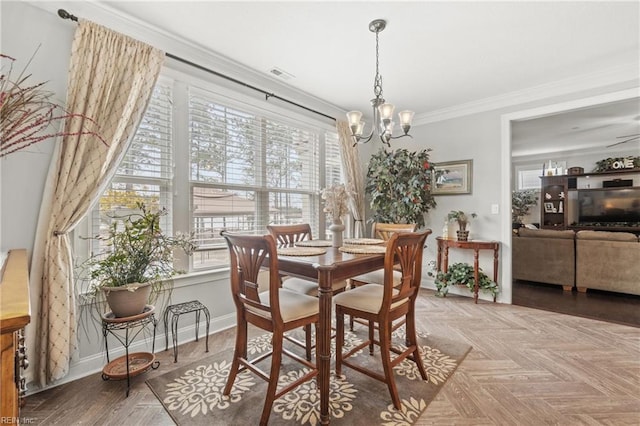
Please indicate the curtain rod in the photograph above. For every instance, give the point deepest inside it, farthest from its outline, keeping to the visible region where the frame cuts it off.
(66, 15)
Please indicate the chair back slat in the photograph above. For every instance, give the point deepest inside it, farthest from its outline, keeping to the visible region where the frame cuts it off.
(249, 254)
(384, 231)
(404, 254)
(288, 235)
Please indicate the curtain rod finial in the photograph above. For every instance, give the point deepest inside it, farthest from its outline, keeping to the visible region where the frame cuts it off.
(66, 15)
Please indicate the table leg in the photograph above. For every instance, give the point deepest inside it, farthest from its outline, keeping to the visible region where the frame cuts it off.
(445, 268)
(476, 274)
(323, 353)
(495, 266)
(439, 264)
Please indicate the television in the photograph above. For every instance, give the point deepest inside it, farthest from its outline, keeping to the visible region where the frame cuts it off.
(609, 206)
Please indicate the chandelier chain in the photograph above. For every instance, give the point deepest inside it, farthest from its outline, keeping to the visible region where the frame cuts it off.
(377, 83)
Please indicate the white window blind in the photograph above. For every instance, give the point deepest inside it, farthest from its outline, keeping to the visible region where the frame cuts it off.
(145, 173)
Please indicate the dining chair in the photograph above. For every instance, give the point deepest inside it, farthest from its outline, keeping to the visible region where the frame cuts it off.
(382, 231)
(381, 304)
(276, 310)
(288, 236)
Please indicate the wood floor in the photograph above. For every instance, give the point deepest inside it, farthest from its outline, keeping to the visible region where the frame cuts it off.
(527, 367)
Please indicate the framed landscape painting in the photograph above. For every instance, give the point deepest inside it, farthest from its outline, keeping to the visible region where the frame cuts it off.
(453, 177)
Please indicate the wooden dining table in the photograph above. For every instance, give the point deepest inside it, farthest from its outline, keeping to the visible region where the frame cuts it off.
(332, 266)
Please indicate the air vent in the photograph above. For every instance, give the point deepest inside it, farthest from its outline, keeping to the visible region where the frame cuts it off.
(280, 73)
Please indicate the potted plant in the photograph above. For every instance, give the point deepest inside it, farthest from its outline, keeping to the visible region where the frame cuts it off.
(399, 186)
(521, 203)
(463, 274)
(462, 219)
(138, 258)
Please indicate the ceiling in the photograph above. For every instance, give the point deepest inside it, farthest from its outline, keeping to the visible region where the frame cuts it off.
(434, 55)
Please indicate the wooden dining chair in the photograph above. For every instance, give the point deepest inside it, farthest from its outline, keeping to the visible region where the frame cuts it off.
(381, 305)
(382, 231)
(287, 236)
(276, 310)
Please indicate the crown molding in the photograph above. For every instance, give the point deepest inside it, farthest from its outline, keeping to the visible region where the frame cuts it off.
(629, 72)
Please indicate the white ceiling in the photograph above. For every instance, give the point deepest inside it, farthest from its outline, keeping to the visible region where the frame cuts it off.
(434, 55)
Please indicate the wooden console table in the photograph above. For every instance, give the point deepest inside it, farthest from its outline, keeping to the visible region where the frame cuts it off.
(445, 244)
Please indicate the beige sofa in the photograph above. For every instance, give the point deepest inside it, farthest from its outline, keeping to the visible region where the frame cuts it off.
(545, 256)
(608, 261)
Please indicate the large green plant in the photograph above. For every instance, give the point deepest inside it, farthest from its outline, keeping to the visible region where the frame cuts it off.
(463, 274)
(399, 186)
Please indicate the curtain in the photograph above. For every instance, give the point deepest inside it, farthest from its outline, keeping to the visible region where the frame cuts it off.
(111, 78)
(354, 176)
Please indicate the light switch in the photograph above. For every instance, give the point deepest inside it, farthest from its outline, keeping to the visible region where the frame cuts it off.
(495, 209)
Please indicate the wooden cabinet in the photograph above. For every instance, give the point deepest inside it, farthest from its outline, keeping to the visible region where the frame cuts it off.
(554, 196)
(15, 314)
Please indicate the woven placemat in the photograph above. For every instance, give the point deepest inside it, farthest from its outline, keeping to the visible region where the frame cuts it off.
(363, 249)
(363, 241)
(301, 251)
(314, 243)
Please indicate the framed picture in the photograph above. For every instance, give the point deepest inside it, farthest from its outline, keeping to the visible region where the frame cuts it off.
(452, 177)
(548, 208)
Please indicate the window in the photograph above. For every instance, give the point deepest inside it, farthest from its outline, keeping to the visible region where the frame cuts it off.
(528, 177)
(238, 166)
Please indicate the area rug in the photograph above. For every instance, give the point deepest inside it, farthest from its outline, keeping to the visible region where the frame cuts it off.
(192, 395)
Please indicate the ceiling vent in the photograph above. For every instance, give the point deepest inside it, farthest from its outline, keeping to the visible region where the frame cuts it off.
(280, 73)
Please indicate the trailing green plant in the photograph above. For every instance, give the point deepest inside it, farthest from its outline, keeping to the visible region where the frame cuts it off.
(460, 217)
(521, 203)
(399, 186)
(137, 251)
(463, 274)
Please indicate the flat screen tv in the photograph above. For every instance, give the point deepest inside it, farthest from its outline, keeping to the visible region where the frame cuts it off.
(609, 205)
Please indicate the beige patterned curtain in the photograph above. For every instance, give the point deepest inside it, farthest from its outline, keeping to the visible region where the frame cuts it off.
(353, 172)
(111, 78)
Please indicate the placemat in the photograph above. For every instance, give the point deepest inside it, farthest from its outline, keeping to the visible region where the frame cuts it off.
(363, 241)
(314, 243)
(301, 251)
(363, 249)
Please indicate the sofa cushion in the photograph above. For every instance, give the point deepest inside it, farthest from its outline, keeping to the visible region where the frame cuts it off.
(546, 233)
(607, 236)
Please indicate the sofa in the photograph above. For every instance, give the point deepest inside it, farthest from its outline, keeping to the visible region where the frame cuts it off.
(599, 260)
(544, 256)
(608, 261)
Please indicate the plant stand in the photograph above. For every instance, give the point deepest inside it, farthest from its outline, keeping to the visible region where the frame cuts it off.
(129, 365)
(476, 246)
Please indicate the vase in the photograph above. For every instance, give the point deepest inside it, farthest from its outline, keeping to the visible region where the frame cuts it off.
(462, 235)
(127, 300)
(337, 229)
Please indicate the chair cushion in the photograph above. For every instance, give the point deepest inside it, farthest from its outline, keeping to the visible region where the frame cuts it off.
(377, 277)
(309, 288)
(293, 305)
(366, 298)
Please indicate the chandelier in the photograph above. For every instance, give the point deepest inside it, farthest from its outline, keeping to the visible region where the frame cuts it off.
(382, 111)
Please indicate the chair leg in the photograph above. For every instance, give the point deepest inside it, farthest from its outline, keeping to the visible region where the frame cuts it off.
(372, 328)
(276, 360)
(339, 340)
(412, 340)
(307, 341)
(385, 355)
(351, 322)
(240, 351)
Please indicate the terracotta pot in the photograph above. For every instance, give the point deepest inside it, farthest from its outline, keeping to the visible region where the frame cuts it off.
(127, 300)
(462, 235)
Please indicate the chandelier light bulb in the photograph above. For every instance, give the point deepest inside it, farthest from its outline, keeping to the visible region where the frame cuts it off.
(405, 120)
(386, 111)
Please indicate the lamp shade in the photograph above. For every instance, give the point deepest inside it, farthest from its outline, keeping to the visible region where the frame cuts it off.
(354, 118)
(386, 111)
(406, 117)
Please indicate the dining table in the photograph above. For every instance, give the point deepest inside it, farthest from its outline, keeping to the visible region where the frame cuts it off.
(325, 268)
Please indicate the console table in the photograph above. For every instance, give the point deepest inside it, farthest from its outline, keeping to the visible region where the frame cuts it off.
(444, 244)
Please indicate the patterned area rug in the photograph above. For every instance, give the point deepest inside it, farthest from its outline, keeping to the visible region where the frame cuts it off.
(192, 395)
